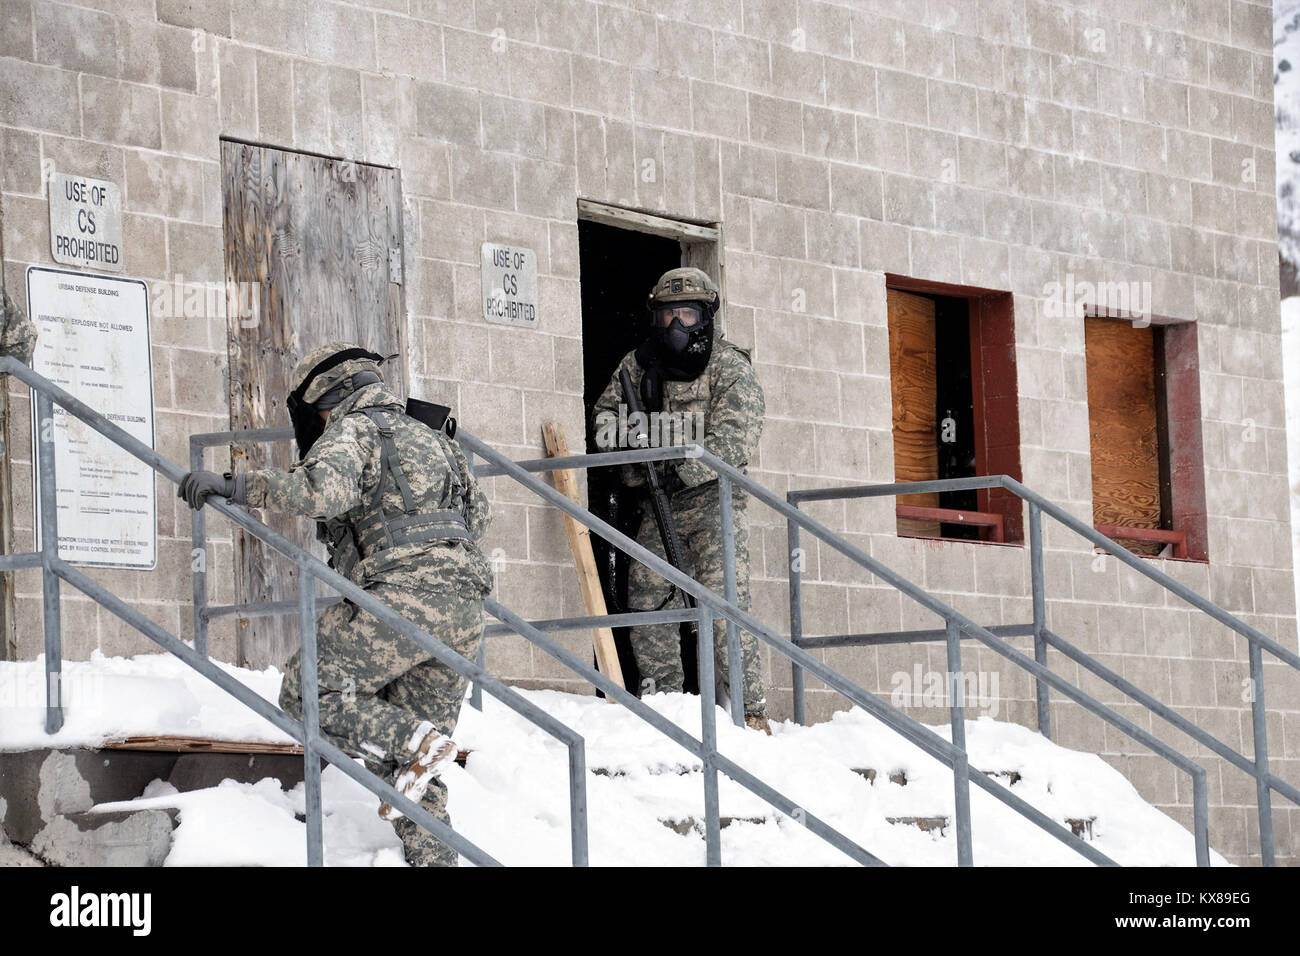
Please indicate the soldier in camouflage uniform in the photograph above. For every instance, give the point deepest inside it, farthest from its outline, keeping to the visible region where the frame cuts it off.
(402, 517)
(687, 369)
(17, 332)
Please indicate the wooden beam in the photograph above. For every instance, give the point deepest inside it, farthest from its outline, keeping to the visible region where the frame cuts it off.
(602, 638)
(189, 745)
(645, 222)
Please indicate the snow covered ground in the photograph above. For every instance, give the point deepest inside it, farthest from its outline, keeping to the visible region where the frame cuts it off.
(511, 798)
(111, 698)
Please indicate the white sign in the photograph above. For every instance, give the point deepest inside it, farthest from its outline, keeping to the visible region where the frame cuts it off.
(85, 222)
(94, 343)
(509, 285)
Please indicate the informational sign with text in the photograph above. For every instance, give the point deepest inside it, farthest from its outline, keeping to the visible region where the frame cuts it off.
(85, 222)
(94, 343)
(509, 285)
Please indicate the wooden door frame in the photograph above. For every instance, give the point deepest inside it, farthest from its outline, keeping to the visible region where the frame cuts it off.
(701, 242)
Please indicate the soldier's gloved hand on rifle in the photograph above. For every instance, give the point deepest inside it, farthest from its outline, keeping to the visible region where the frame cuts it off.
(197, 485)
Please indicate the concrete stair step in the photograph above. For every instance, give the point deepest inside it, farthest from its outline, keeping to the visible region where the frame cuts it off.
(687, 825)
(138, 838)
(925, 824)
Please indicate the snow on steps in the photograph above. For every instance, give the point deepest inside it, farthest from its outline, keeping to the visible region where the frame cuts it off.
(511, 796)
(645, 794)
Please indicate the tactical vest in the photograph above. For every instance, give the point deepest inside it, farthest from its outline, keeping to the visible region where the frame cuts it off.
(376, 529)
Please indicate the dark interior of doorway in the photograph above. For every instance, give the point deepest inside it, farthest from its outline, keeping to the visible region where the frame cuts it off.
(954, 407)
(618, 269)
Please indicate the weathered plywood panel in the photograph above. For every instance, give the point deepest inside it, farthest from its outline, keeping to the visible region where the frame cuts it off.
(315, 235)
(1123, 425)
(913, 381)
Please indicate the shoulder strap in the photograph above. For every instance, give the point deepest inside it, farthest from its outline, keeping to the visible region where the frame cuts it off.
(389, 463)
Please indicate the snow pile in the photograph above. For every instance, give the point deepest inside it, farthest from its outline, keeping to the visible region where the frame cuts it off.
(111, 698)
(645, 793)
(511, 798)
(260, 824)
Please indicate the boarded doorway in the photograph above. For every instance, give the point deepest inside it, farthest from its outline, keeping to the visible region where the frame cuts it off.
(621, 255)
(322, 239)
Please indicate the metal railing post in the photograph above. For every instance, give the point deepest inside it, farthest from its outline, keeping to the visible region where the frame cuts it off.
(51, 610)
(475, 690)
(1259, 723)
(735, 666)
(709, 738)
(199, 560)
(1040, 615)
(795, 562)
(578, 803)
(961, 761)
(310, 713)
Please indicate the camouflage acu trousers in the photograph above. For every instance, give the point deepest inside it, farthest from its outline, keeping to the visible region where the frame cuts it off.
(657, 647)
(377, 687)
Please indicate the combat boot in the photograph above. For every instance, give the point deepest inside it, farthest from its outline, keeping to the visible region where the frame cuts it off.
(432, 753)
(758, 722)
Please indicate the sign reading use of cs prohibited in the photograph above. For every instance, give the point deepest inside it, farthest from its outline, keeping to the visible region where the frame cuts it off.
(94, 343)
(509, 285)
(85, 222)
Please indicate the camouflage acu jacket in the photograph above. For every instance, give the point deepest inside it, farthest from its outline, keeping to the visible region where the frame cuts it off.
(723, 408)
(337, 480)
(17, 332)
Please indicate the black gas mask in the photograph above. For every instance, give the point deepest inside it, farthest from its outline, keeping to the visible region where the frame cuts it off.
(682, 338)
(307, 423)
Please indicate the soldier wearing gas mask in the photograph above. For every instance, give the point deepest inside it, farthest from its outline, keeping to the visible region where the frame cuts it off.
(401, 516)
(705, 391)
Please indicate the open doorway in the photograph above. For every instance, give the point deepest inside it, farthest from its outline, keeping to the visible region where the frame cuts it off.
(621, 255)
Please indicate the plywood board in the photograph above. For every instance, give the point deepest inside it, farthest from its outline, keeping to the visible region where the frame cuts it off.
(1123, 425)
(913, 387)
(317, 236)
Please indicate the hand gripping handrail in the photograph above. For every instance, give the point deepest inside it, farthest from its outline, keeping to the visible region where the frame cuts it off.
(307, 732)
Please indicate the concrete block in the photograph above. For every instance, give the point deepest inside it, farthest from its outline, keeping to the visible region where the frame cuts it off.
(159, 55)
(37, 786)
(199, 771)
(25, 96)
(76, 39)
(139, 838)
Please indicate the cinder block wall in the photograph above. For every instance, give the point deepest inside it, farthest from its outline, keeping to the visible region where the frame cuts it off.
(1005, 144)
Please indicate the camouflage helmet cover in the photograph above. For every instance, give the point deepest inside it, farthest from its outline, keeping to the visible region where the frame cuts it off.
(686, 284)
(351, 358)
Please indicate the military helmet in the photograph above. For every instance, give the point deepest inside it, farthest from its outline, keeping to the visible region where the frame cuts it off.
(324, 377)
(327, 366)
(686, 284)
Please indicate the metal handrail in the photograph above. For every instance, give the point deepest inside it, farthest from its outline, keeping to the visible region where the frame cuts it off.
(307, 732)
(711, 605)
(1266, 781)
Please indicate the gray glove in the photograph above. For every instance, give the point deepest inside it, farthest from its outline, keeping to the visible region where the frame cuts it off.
(197, 485)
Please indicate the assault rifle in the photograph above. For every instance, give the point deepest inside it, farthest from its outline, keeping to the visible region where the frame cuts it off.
(658, 496)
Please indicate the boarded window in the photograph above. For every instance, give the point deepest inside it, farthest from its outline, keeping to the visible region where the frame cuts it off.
(322, 240)
(1144, 428)
(952, 378)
